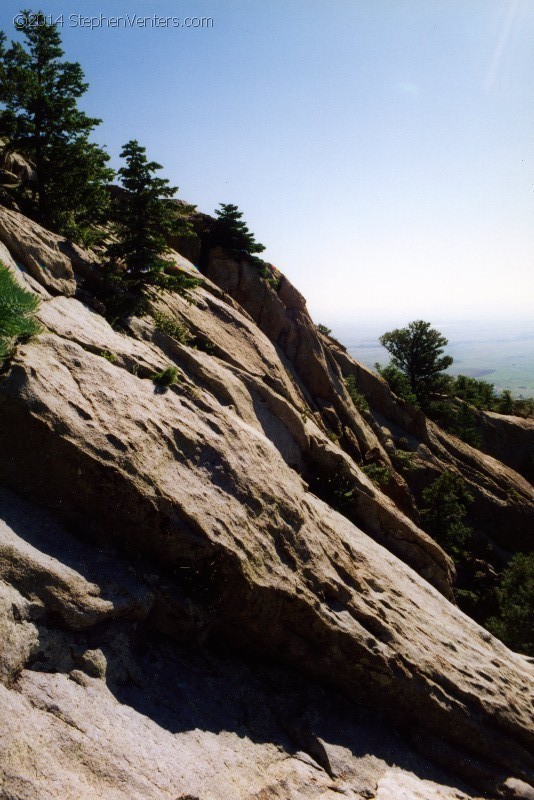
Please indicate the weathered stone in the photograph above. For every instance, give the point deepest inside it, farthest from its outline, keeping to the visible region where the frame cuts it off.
(18, 637)
(50, 259)
(134, 663)
(508, 439)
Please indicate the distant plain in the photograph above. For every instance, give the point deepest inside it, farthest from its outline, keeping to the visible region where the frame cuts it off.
(498, 351)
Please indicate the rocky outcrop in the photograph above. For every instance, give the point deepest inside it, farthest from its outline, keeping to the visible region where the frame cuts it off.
(204, 567)
(504, 500)
(508, 439)
(275, 403)
(96, 704)
(50, 259)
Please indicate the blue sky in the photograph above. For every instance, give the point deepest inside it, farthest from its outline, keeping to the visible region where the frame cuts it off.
(383, 150)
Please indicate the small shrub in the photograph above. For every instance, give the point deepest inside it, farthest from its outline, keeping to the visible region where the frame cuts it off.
(398, 383)
(166, 377)
(324, 330)
(357, 397)
(268, 272)
(378, 474)
(109, 356)
(17, 307)
(304, 414)
(167, 324)
(403, 461)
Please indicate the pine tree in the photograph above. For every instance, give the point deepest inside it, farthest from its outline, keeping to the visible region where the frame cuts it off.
(40, 119)
(417, 352)
(144, 216)
(231, 233)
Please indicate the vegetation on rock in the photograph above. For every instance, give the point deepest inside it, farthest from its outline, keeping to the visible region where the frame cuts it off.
(144, 216)
(215, 513)
(230, 232)
(169, 325)
(480, 589)
(416, 375)
(166, 377)
(456, 416)
(379, 474)
(398, 383)
(417, 351)
(356, 396)
(17, 307)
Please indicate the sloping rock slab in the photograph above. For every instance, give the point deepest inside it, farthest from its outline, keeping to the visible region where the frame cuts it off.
(48, 258)
(183, 483)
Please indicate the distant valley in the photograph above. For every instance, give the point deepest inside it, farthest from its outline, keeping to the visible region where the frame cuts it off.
(500, 352)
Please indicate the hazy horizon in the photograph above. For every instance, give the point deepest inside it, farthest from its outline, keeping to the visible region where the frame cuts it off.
(398, 317)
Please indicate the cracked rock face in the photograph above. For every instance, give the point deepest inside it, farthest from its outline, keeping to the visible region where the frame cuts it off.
(182, 617)
(140, 716)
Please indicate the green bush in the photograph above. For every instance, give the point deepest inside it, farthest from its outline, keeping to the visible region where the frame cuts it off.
(17, 307)
(357, 397)
(398, 383)
(169, 325)
(403, 461)
(445, 507)
(515, 625)
(378, 474)
(324, 330)
(456, 417)
(336, 488)
(166, 377)
(480, 394)
(268, 272)
(524, 407)
(109, 356)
